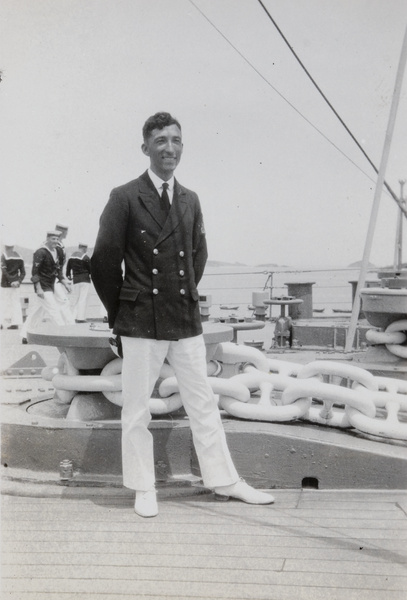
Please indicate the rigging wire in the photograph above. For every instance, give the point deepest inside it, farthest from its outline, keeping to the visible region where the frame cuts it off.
(392, 193)
(292, 105)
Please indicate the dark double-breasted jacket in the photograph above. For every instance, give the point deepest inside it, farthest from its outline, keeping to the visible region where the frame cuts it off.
(163, 257)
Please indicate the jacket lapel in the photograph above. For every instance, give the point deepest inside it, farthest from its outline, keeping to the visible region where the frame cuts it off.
(150, 199)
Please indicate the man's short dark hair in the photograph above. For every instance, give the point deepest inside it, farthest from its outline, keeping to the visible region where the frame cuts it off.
(158, 121)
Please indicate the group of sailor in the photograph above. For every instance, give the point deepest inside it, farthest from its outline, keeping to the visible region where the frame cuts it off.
(61, 287)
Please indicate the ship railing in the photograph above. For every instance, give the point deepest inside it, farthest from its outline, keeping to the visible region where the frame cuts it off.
(230, 291)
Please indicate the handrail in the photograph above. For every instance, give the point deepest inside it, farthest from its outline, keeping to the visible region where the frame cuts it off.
(332, 289)
(231, 286)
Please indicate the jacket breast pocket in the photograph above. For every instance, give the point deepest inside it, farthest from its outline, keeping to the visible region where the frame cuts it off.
(128, 294)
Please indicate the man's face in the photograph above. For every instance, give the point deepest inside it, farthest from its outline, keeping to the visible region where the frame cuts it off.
(52, 241)
(164, 147)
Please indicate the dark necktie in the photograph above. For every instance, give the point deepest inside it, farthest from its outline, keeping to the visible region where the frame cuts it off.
(165, 201)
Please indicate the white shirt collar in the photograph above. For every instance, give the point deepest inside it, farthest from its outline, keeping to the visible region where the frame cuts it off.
(158, 183)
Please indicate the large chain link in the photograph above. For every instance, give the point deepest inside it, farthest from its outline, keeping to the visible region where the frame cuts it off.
(394, 338)
(327, 393)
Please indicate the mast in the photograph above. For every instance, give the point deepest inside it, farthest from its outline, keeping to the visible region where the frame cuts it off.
(398, 249)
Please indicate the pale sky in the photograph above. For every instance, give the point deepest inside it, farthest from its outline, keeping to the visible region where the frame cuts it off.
(80, 77)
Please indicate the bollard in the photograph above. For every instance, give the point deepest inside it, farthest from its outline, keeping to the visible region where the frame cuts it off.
(260, 308)
(302, 291)
(205, 302)
(65, 469)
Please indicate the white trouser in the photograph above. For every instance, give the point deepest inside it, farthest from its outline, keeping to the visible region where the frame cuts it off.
(11, 306)
(43, 308)
(142, 362)
(79, 297)
(62, 298)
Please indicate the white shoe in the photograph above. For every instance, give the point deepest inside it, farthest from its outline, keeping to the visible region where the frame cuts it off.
(145, 504)
(244, 492)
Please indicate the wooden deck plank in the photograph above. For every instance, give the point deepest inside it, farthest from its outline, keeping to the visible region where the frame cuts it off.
(349, 567)
(122, 516)
(188, 514)
(359, 502)
(232, 574)
(272, 593)
(260, 529)
(207, 506)
(329, 551)
(344, 497)
(166, 584)
(187, 510)
(217, 562)
(122, 495)
(335, 562)
(191, 537)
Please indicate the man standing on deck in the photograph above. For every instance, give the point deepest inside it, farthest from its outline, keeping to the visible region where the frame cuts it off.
(46, 270)
(78, 270)
(12, 275)
(155, 226)
(63, 287)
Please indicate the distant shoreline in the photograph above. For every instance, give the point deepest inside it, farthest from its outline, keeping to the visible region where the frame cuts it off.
(27, 254)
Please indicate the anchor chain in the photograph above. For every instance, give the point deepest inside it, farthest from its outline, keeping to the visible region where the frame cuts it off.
(323, 392)
(394, 338)
(326, 393)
